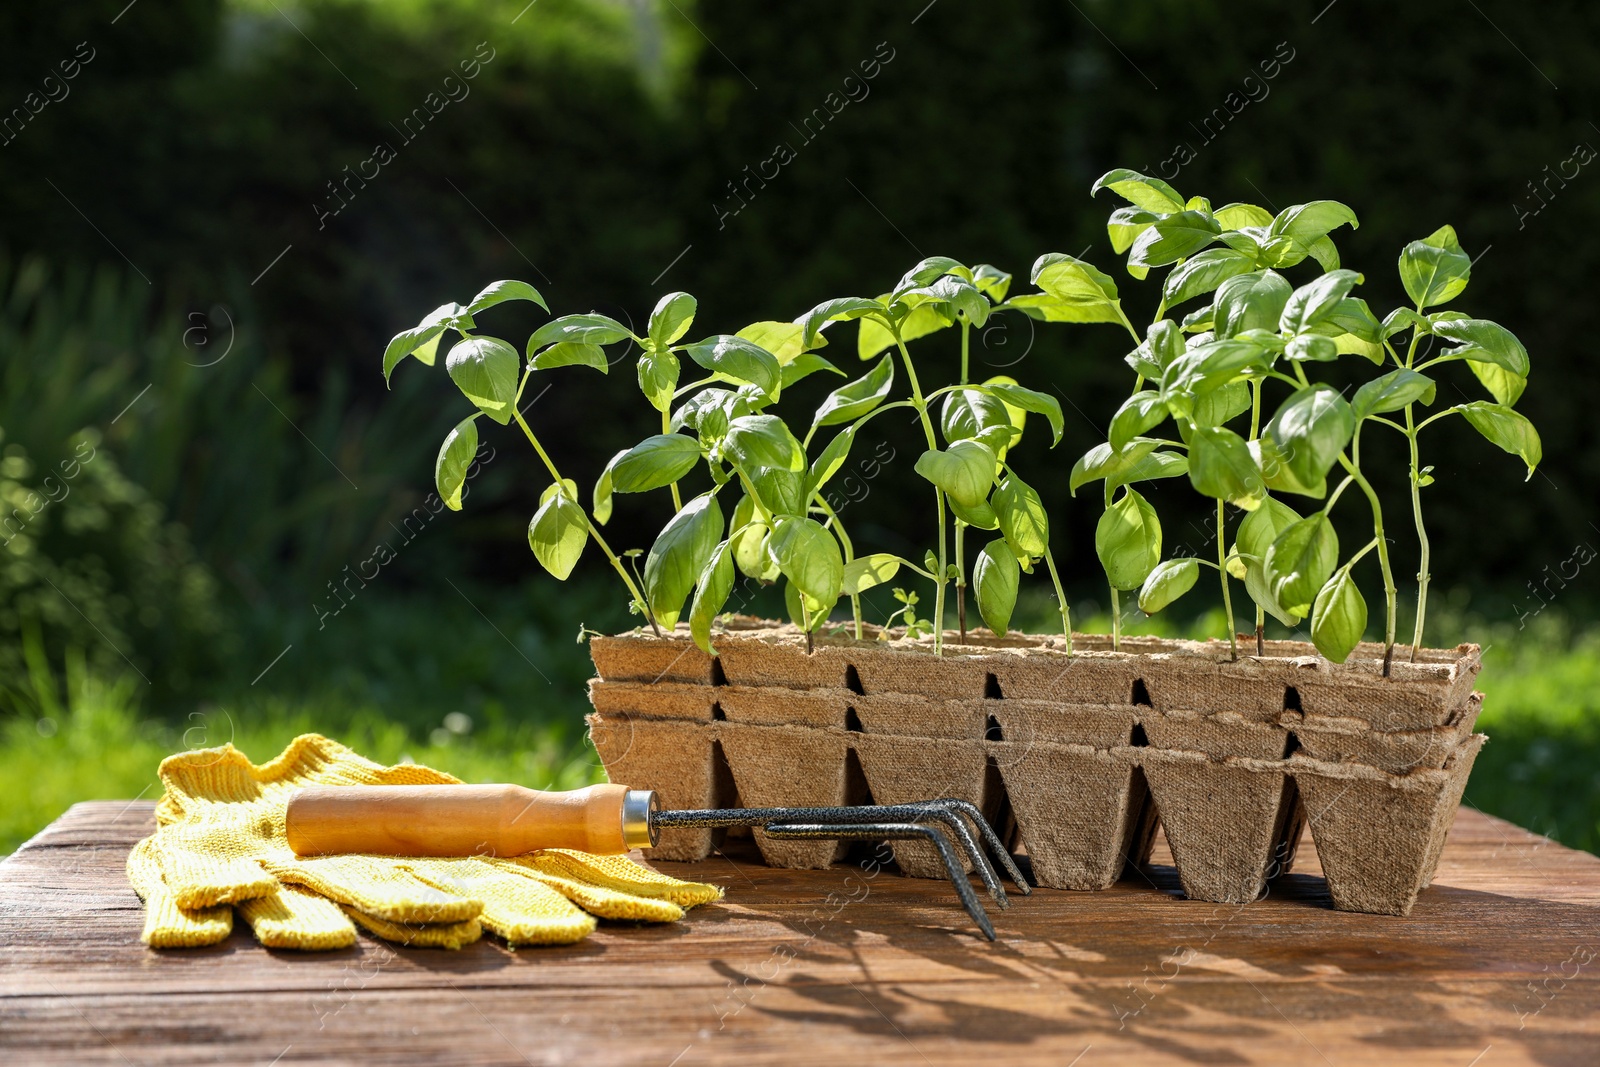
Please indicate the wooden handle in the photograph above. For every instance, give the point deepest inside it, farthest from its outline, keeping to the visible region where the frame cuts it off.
(454, 820)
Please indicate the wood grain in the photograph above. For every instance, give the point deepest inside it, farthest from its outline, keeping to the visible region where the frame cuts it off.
(1498, 964)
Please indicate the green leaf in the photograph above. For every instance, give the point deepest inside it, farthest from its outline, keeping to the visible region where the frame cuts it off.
(558, 533)
(455, 456)
(1401, 319)
(1212, 365)
(1300, 560)
(501, 291)
(710, 596)
(1312, 347)
(672, 317)
(1256, 533)
(1353, 316)
(853, 400)
(1152, 194)
(1144, 410)
(1128, 541)
(1072, 279)
(658, 377)
(1219, 405)
(865, 572)
(1125, 226)
(1435, 270)
(951, 295)
(922, 320)
(995, 575)
(1222, 466)
(1173, 238)
(1169, 581)
(763, 441)
(590, 329)
(1030, 400)
(991, 281)
(965, 470)
(785, 340)
(740, 360)
(927, 272)
(1021, 517)
(1392, 392)
(679, 555)
(977, 415)
(808, 555)
(1309, 431)
(570, 353)
(1043, 307)
(980, 515)
(1102, 461)
(833, 457)
(803, 366)
(1262, 526)
(1307, 222)
(749, 543)
(1339, 618)
(781, 492)
(485, 370)
(1252, 301)
(423, 339)
(1506, 428)
(1325, 253)
(655, 462)
(1316, 300)
(1504, 386)
(1203, 273)
(1237, 216)
(603, 490)
(844, 307)
(1150, 468)
(1483, 341)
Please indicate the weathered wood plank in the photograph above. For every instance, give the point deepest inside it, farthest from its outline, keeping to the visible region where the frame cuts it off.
(1500, 955)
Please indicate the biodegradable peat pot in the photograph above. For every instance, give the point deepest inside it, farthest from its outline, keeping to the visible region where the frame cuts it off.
(1089, 748)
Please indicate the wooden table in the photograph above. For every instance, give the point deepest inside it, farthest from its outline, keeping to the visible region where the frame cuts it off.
(1498, 964)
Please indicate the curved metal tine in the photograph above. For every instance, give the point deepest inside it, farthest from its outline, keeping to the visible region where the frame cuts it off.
(980, 862)
(899, 831)
(991, 838)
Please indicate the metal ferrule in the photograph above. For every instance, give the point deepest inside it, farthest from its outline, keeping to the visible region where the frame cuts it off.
(638, 828)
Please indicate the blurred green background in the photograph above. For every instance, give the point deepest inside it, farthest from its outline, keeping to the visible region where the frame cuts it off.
(194, 297)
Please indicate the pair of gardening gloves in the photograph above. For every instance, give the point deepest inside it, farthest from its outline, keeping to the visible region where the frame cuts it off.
(220, 845)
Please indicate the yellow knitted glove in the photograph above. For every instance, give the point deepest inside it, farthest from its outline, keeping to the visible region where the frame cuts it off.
(220, 841)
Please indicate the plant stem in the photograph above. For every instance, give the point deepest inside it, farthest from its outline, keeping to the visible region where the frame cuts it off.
(961, 579)
(849, 554)
(677, 501)
(1222, 566)
(921, 405)
(627, 579)
(1061, 598)
(1422, 538)
(1255, 432)
(961, 527)
(1389, 590)
(1116, 620)
(1416, 512)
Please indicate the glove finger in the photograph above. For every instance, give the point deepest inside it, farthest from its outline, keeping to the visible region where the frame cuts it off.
(419, 935)
(618, 873)
(381, 888)
(201, 870)
(519, 909)
(294, 918)
(166, 925)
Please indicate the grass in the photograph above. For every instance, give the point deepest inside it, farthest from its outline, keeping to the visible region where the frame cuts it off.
(394, 690)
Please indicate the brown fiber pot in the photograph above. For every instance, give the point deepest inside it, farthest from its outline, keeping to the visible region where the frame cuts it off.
(1079, 753)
